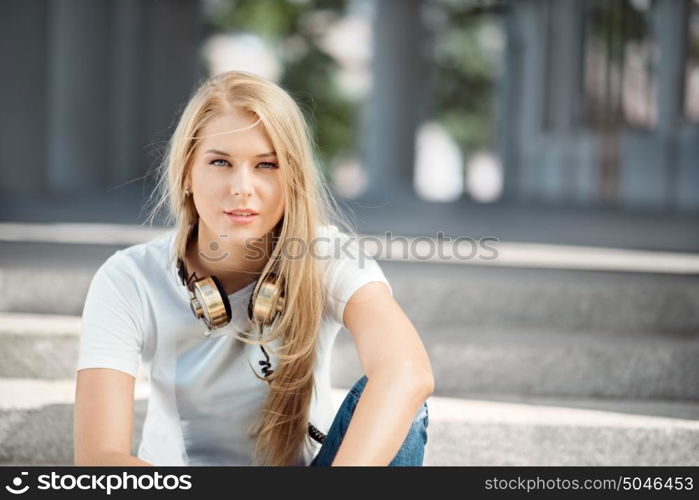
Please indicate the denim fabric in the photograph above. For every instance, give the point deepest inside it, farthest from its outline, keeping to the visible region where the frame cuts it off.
(411, 452)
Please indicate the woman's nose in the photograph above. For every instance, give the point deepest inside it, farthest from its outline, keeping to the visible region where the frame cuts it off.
(242, 181)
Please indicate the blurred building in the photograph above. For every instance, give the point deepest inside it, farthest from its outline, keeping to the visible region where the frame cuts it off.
(585, 134)
(89, 89)
(598, 103)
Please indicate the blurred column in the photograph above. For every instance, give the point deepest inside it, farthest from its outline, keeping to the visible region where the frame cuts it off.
(78, 150)
(155, 66)
(568, 174)
(651, 181)
(671, 21)
(547, 156)
(127, 103)
(510, 97)
(22, 96)
(398, 95)
(95, 89)
(565, 65)
(528, 21)
(171, 67)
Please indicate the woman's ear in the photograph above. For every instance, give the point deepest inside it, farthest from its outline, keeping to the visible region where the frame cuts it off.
(187, 175)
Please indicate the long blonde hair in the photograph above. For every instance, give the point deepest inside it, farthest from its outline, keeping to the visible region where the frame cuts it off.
(281, 431)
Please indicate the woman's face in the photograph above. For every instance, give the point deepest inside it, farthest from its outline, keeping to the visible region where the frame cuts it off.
(233, 170)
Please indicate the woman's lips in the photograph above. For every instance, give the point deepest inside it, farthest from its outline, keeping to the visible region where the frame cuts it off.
(241, 219)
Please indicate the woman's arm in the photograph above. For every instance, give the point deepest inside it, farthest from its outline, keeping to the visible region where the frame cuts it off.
(103, 416)
(399, 377)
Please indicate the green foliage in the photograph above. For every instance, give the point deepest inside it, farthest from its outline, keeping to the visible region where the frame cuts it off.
(465, 75)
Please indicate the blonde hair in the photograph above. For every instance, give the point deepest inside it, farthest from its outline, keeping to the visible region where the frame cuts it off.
(281, 431)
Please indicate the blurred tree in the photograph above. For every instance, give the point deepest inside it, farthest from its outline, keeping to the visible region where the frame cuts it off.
(294, 29)
(614, 28)
(468, 50)
(466, 69)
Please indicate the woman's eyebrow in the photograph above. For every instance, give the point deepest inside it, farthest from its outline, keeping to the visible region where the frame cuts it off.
(223, 153)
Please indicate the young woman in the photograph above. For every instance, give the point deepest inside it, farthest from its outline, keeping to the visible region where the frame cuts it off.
(233, 313)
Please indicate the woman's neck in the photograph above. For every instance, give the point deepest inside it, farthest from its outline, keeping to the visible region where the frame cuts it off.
(235, 271)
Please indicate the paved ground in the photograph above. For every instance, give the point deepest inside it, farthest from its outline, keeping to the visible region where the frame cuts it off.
(460, 432)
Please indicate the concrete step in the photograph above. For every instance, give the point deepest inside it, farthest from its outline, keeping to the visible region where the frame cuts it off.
(472, 362)
(43, 346)
(36, 420)
(531, 298)
(53, 278)
(466, 361)
(486, 433)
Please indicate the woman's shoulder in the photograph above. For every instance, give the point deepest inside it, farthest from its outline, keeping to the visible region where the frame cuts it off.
(143, 256)
(349, 266)
(328, 238)
(330, 233)
(343, 248)
(327, 230)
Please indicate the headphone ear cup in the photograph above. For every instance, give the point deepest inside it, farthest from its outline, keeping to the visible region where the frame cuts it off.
(269, 303)
(224, 298)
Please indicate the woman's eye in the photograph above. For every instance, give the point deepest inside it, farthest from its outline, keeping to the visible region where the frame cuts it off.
(265, 165)
(214, 161)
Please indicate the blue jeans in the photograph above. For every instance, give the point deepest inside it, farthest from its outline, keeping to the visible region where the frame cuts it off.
(411, 451)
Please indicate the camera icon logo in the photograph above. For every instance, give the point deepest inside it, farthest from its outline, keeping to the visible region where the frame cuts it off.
(17, 482)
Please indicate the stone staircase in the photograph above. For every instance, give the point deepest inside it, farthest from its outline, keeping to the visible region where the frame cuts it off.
(532, 366)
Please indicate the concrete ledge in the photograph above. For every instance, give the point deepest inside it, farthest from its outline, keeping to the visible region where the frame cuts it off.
(467, 362)
(56, 280)
(490, 362)
(461, 432)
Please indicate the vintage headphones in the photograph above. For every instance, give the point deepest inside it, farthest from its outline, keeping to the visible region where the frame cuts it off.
(209, 301)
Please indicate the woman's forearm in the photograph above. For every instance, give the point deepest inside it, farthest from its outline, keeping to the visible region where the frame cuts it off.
(382, 418)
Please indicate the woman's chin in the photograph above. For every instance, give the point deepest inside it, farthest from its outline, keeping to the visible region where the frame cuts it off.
(240, 236)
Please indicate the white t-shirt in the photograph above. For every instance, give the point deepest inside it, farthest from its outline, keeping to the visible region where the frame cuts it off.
(203, 394)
